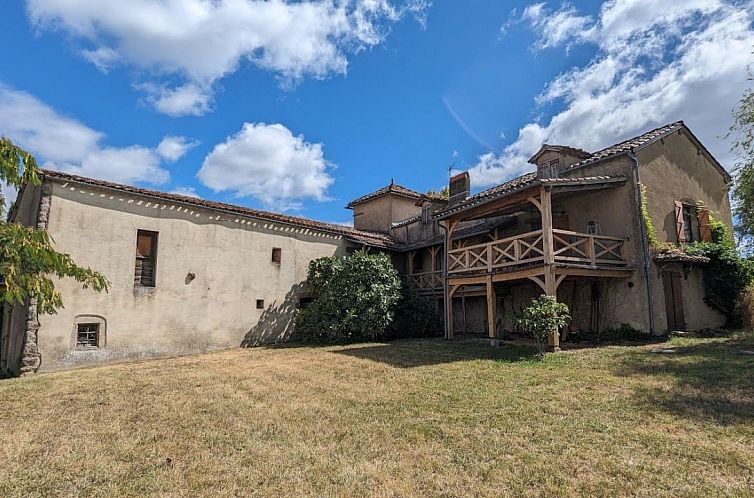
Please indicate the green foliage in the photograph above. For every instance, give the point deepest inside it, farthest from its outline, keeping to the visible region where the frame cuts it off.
(414, 317)
(541, 318)
(27, 257)
(354, 298)
(649, 225)
(443, 192)
(726, 276)
(742, 132)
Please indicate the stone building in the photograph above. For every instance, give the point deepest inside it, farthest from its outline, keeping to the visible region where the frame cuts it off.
(190, 275)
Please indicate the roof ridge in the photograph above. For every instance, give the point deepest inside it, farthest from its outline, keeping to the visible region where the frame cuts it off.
(392, 187)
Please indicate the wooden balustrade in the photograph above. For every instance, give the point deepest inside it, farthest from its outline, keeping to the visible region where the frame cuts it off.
(426, 281)
(528, 248)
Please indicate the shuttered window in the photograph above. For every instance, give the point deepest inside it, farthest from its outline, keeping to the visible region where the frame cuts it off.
(146, 259)
(705, 233)
(691, 223)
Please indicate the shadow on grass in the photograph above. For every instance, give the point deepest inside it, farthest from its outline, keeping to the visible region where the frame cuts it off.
(711, 381)
(410, 353)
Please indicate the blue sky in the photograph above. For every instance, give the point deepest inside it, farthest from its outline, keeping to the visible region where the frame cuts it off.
(304, 106)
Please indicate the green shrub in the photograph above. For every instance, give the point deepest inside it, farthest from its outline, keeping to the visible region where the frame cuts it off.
(415, 316)
(727, 275)
(541, 318)
(354, 298)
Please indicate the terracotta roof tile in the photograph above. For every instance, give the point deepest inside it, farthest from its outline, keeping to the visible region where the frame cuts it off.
(361, 236)
(393, 188)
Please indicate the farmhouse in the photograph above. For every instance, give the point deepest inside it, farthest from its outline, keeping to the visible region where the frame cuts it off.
(190, 275)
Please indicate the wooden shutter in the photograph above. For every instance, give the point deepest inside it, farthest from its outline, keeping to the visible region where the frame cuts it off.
(679, 225)
(704, 229)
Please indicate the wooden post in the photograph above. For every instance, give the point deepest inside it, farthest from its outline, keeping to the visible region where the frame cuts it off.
(410, 263)
(491, 312)
(549, 257)
(450, 227)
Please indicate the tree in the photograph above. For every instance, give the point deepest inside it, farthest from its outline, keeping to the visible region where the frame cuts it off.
(27, 257)
(541, 317)
(443, 192)
(354, 298)
(742, 132)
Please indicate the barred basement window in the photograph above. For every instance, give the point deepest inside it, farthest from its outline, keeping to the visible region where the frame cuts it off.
(87, 335)
(277, 255)
(146, 259)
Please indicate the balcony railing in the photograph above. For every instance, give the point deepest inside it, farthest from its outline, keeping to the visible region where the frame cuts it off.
(427, 281)
(528, 249)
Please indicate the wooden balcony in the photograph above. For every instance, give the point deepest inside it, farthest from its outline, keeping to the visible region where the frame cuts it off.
(426, 282)
(527, 250)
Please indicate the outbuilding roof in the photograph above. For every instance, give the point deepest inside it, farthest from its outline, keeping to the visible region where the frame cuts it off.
(373, 239)
(392, 188)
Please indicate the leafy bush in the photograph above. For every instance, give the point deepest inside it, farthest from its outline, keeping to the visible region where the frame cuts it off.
(354, 298)
(541, 317)
(414, 317)
(727, 275)
(746, 307)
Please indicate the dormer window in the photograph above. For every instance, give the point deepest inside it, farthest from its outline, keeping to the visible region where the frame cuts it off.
(550, 169)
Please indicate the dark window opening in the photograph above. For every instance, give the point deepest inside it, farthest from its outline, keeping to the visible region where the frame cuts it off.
(277, 255)
(304, 302)
(146, 259)
(260, 304)
(87, 335)
(689, 218)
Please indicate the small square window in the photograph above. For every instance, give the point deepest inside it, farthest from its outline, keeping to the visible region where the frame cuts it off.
(87, 335)
(277, 255)
(260, 304)
(304, 302)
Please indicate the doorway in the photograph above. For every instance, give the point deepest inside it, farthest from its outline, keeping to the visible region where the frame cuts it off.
(671, 282)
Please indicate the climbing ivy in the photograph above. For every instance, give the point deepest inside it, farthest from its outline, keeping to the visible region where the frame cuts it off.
(727, 275)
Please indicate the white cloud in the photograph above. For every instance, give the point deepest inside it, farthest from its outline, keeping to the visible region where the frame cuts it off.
(687, 60)
(172, 148)
(202, 41)
(8, 193)
(103, 57)
(187, 191)
(62, 143)
(269, 163)
(555, 28)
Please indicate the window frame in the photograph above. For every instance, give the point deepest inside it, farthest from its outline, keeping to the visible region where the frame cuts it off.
(279, 252)
(260, 304)
(88, 345)
(153, 257)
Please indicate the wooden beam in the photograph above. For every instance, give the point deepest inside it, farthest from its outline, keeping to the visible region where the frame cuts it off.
(457, 281)
(491, 312)
(558, 280)
(518, 275)
(594, 272)
(539, 282)
(545, 199)
(536, 203)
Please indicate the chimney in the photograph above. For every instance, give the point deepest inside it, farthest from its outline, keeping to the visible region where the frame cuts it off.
(459, 187)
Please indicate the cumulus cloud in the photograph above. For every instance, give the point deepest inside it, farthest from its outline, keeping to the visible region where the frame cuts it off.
(202, 41)
(63, 143)
(172, 148)
(556, 27)
(270, 163)
(653, 66)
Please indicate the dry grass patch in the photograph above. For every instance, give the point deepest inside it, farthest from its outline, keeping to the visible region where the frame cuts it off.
(409, 418)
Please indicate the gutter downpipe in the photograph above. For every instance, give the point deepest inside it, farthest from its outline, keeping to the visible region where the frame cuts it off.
(644, 242)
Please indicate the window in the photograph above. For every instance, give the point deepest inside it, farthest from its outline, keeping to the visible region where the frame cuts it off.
(549, 169)
(688, 218)
(146, 259)
(260, 304)
(304, 302)
(87, 335)
(277, 255)
(686, 222)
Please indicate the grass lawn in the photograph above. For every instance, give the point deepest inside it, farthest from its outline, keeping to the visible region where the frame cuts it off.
(409, 418)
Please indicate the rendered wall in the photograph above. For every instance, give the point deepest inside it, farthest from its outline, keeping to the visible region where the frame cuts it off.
(230, 258)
